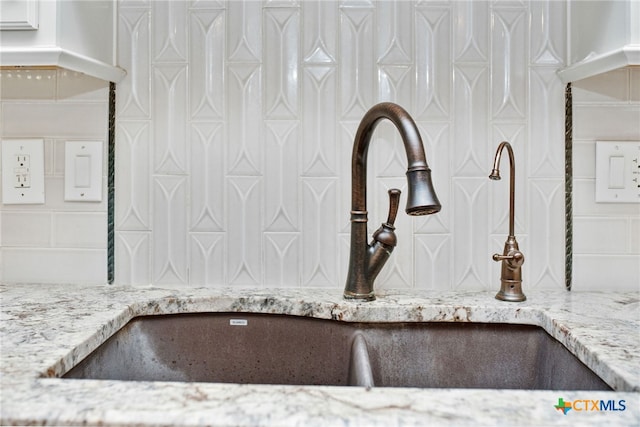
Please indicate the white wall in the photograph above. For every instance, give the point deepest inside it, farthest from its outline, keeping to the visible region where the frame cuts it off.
(56, 241)
(235, 128)
(606, 235)
(236, 120)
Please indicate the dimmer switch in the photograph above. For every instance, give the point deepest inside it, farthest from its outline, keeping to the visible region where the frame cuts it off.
(83, 171)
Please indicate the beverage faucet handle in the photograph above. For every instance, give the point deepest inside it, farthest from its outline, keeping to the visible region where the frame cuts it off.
(514, 258)
(394, 202)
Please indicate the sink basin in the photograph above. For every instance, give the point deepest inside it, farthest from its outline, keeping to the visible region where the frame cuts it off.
(280, 349)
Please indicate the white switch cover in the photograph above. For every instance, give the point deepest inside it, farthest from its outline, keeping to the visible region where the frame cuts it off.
(22, 171)
(618, 171)
(83, 171)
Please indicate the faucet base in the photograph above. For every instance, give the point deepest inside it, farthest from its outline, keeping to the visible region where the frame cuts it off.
(359, 297)
(511, 290)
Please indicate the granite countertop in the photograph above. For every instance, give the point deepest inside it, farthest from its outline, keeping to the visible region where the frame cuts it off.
(45, 329)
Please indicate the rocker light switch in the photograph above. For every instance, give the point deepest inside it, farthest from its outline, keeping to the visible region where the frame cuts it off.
(83, 171)
(618, 171)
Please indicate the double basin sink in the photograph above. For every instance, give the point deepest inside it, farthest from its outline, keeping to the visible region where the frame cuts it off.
(281, 349)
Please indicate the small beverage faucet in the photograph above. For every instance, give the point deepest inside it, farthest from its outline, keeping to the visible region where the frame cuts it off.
(366, 260)
(512, 259)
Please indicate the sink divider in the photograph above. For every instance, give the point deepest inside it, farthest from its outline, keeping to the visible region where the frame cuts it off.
(360, 372)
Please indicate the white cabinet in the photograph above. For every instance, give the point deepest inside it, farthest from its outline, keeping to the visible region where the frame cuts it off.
(603, 35)
(78, 35)
(19, 15)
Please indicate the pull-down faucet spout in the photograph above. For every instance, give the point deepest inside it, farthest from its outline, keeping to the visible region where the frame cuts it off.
(366, 260)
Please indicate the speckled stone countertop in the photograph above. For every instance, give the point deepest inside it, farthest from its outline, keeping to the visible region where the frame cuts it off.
(45, 329)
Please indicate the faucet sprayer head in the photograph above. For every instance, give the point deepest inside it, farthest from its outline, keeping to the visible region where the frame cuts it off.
(495, 175)
(422, 199)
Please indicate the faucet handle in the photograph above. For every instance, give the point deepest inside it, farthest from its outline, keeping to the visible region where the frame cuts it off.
(394, 202)
(385, 234)
(513, 258)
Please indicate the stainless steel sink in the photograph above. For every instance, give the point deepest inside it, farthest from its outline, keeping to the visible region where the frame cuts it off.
(278, 349)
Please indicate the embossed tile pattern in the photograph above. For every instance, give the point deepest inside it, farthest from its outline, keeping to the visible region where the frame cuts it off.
(235, 127)
(236, 123)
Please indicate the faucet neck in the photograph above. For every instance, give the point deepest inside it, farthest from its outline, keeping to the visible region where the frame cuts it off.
(416, 157)
(512, 181)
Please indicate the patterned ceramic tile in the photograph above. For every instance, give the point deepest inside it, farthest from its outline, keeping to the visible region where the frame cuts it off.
(134, 47)
(508, 69)
(547, 265)
(169, 233)
(433, 63)
(395, 41)
(547, 32)
(133, 257)
(244, 233)
(470, 240)
(357, 55)
(133, 195)
(244, 42)
(207, 259)
(244, 125)
(471, 31)
(235, 130)
(471, 94)
(169, 119)
(169, 31)
(319, 234)
(281, 66)
(319, 117)
(318, 35)
(282, 169)
(206, 65)
(282, 259)
(207, 178)
(546, 100)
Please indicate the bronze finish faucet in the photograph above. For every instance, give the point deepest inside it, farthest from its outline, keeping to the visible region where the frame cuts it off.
(366, 260)
(512, 259)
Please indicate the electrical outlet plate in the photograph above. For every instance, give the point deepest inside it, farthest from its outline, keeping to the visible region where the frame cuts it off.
(618, 171)
(22, 171)
(83, 171)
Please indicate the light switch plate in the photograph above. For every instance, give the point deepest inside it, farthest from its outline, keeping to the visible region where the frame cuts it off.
(22, 171)
(618, 171)
(83, 171)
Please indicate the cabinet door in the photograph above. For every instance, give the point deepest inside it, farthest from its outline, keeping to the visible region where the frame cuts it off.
(19, 14)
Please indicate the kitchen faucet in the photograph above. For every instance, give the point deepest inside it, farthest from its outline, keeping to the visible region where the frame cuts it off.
(512, 259)
(366, 260)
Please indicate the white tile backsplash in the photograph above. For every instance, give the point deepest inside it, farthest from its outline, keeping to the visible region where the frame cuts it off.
(600, 235)
(606, 273)
(79, 230)
(234, 131)
(606, 235)
(56, 241)
(74, 120)
(54, 265)
(26, 229)
(634, 235)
